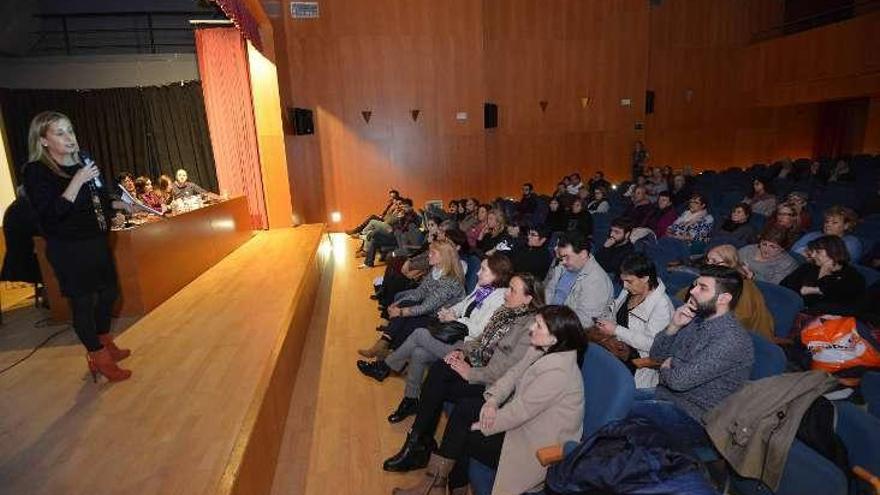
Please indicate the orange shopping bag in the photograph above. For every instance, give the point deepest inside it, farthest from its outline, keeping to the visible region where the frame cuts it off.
(835, 344)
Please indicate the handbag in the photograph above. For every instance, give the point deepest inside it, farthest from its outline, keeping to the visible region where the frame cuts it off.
(620, 349)
(448, 332)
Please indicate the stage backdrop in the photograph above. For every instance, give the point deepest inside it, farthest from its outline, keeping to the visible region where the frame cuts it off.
(145, 131)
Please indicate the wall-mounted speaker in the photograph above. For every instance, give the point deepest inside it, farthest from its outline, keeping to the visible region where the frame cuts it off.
(490, 115)
(301, 120)
(649, 101)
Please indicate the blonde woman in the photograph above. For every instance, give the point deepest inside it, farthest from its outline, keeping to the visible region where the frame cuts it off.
(415, 308)
(494, 237)
(75, 213)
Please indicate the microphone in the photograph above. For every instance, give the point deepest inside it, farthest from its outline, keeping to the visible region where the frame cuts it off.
(86, 160)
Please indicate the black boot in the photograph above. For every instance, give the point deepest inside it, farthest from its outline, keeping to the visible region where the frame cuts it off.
(407, 407)
(414, 454)
(376, 370)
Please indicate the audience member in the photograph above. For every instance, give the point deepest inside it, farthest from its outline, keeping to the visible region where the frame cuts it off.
(474, 233)
(736, 229)
(762, 200)
(767, 260)
(706, 355)
(797, 200)
(580, 219)
(562, 195)
(466, 372)
(494, 236)
(421, 348)
(578, 281)
(557, 217)
(842, 173)
(415, 308)
(641, 311)
(598, 181)
(751, 309)
(534, 258)
(393, 196)
(665, 214)
(617, 247)
(695, 224)
(681, 190)
(827, 283)
(574, 184)
(656, 184)
(786, 221)
(839, 222)
(470, 214)
(641, 211)
(528, 203)
(599, 203)
(539, 402)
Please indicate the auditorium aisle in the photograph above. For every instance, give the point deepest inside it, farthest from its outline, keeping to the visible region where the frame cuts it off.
(337, 435)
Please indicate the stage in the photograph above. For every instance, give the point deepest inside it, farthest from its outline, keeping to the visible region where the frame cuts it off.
(204, 411)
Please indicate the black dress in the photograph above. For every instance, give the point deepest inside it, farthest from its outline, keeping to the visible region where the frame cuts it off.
(76, 242)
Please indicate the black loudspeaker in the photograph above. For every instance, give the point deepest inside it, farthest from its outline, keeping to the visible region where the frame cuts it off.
(490, 115)
(302, 121)
(649, 101)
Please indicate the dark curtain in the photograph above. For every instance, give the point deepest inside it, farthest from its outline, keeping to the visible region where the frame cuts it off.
(841, 128)
(144, 131)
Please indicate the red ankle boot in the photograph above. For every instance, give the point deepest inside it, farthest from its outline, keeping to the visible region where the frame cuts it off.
(102, 362)
(116, 353)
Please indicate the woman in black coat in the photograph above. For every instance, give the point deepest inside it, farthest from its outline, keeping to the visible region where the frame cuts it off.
(75, 213)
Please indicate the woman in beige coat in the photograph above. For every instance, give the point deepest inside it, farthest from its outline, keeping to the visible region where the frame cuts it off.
(546, 408)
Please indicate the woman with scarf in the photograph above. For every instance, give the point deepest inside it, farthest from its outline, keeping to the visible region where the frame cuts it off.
(472, 366)
(421, 348)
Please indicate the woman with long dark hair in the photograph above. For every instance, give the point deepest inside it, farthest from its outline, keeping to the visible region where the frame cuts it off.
(537, 402)
(75, 213)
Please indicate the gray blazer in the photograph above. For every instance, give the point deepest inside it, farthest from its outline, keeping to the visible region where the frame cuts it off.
(590, 295)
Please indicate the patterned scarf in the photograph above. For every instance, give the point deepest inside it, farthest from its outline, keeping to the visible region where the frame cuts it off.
(499, 326)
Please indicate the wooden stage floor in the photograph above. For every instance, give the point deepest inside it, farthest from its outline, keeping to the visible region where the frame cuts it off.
(337, 435)
(203, 412)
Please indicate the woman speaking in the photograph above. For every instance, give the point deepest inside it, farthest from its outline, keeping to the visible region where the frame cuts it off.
(75, 212)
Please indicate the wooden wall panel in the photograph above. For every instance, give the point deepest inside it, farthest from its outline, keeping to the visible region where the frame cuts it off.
(837, 61)
(704, 117)
(392, 56)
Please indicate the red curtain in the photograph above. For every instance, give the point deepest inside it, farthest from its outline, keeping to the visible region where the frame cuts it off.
(223, 66)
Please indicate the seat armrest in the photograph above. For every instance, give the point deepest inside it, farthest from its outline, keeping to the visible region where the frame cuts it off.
(646, 363)
(868, 477)
(550, 454)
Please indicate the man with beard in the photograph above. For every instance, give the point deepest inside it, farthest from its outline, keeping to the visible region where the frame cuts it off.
(706, 355)
(617, 247)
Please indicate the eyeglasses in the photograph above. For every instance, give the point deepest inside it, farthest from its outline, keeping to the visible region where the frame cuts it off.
(771, 245)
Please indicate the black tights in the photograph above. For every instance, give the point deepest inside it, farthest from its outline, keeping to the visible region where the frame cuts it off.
(91, 316)
(462, 444)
